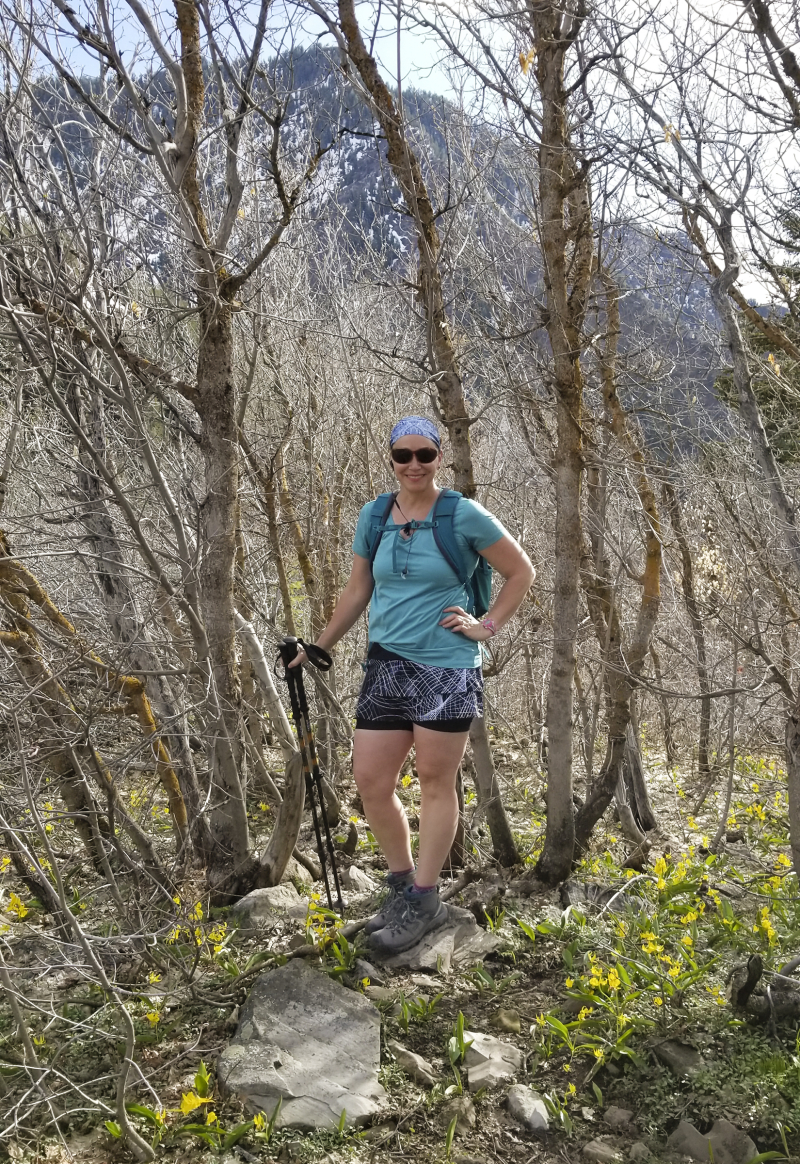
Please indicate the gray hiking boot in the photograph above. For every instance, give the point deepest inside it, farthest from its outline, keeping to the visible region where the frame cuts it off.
(394, 885)
(419, 914)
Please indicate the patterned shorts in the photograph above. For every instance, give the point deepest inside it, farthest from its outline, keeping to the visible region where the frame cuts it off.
(396, 694)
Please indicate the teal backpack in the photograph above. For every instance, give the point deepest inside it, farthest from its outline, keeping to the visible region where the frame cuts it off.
(478, 584)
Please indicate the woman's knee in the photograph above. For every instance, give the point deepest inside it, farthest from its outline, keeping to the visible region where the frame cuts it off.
(433, 782)
(371, 785)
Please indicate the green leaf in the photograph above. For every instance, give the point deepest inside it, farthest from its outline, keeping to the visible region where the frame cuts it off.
(597, 1094)
(202, 1081)
(766, 1156)
(342, 1121)
(273, 1119)
(256, 960)
(557, 1025)
(236, 1134)
(113, 1128)
(528, 930)
(147, 1112)
(200, 1131)
(451, 1131)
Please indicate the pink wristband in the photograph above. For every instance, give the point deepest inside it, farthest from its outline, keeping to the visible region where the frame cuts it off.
(490, 625)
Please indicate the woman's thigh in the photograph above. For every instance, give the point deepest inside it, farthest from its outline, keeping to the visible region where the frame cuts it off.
(377, 759)
(438, 754)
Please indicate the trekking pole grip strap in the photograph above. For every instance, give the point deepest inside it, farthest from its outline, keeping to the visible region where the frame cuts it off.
(317, 656)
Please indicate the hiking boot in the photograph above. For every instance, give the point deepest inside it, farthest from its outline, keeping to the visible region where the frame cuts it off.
(394, 885)
(418, 915)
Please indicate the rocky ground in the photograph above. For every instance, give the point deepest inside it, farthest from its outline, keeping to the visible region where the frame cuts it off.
(541, 1024)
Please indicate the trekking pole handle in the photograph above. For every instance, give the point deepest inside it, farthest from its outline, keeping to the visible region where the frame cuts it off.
(317, 656)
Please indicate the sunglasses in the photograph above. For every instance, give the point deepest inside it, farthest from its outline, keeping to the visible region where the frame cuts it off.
(404, 456)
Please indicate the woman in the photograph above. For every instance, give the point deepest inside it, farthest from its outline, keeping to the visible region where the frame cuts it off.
(423, 684)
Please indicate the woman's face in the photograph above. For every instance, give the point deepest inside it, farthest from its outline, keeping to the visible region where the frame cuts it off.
(416, 477)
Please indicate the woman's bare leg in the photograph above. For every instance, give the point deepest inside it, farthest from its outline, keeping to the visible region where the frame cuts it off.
(377, 759)
(438, 755)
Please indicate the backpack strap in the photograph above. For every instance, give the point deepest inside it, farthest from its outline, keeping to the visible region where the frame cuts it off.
(379, 514)
(444, 533)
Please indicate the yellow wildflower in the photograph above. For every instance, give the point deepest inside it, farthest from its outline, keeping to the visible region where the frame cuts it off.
(191, 1101)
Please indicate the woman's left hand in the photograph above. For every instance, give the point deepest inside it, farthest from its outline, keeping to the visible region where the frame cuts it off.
(457, 619)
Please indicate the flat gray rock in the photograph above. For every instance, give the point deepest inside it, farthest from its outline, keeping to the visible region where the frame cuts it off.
(527, 1108)
(681, 1058)
(460, 942)
(276, 901)
(417, 1068)
(617, 1117)
(304, 1038)
(464, 1111)
(600, 1152)
(490, 1061)
(357, 881)
(364, 969)
(728, 1144)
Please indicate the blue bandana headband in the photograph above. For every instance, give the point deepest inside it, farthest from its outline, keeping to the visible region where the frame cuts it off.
(415, 426)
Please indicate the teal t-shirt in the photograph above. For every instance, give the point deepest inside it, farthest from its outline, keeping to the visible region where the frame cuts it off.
(414, 584)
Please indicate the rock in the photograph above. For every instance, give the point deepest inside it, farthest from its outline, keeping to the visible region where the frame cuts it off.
(294, 871)
(364, 969)
(380, 1131)
(460, 942)
(490, 1061)
(424, 981)
(507, 1020)
(276, 901)
(419, 1069)
(291, 1152)
(349, 843)
(528, 1108)
(468, 1160)
(357, 881)
(727, 1143)
(604, 897)
(638, 1151)
(306, 1039)
(679, 1057)
(617, 1117)
(600, 1152)
(380, 993)
(464, 1109)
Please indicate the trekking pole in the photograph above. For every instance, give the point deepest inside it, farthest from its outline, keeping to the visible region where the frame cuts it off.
(297, 697)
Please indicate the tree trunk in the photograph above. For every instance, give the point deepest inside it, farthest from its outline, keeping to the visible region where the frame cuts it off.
(698, 631)
(230, 862)
(565, 228)
(635, 783)
(793, 781)
(130, 631)
(669, 739)
(488, 792)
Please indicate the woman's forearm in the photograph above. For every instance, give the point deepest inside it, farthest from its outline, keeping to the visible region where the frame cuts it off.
(510, 596)
(351, 605)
